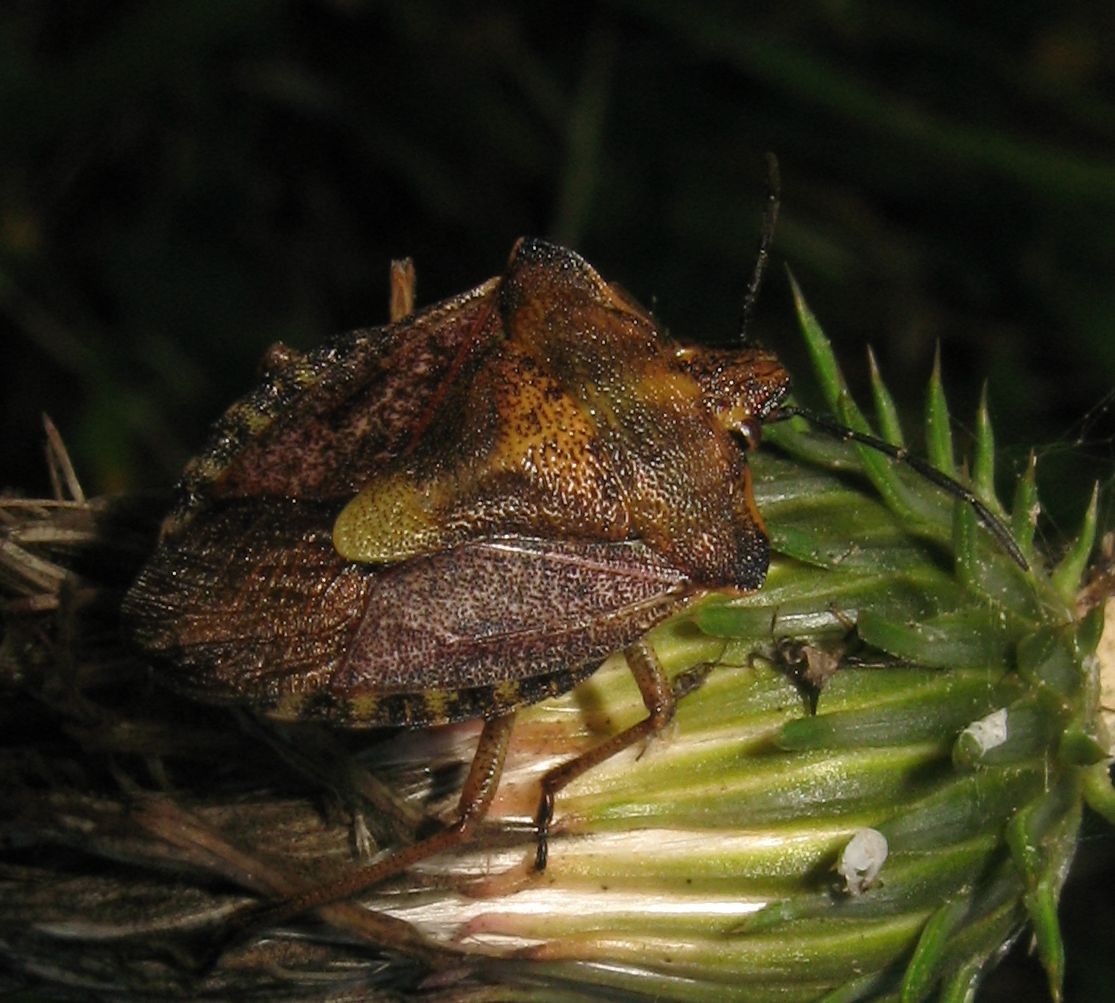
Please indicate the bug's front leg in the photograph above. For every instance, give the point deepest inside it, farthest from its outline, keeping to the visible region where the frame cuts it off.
(660, 696)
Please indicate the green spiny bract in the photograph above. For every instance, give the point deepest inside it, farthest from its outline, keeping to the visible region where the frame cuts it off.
(955, 717)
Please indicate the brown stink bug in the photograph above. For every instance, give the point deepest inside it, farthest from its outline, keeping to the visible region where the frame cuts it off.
(461, 513)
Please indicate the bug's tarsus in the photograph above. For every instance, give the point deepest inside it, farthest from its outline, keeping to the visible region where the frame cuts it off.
(994, 524)
(766, 238)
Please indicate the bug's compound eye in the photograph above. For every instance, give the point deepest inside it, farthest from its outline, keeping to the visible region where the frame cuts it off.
(749, 432)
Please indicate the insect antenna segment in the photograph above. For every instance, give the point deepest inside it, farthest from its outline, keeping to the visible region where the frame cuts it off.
(766, 239)
(994, 524)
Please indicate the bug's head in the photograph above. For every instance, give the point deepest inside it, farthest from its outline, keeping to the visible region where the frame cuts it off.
(740, 387)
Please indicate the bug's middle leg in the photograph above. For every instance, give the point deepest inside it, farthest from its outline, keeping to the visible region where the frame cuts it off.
(660, 696)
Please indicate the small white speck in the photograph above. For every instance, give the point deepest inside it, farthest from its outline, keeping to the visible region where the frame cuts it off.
(862, 860)
(989, 732)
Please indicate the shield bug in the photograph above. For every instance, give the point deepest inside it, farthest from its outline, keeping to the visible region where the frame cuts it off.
(461, 513)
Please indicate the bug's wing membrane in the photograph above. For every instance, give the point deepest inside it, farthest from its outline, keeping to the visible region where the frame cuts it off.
(322, 424)
(251, 604)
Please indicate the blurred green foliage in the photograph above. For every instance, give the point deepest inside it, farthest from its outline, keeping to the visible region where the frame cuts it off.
(182, 184)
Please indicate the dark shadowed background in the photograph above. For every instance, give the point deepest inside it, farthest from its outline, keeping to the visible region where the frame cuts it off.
(182, 184)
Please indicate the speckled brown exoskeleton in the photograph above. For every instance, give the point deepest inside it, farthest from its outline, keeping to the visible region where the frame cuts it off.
(461, 513)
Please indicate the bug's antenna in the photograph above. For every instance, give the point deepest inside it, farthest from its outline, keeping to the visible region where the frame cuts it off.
(766, 238)
(994, 524)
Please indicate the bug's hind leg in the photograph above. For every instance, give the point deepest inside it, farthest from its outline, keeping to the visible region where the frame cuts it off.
(660, 696)
(476, 798)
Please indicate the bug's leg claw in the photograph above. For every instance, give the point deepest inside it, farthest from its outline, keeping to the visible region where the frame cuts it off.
(542, 828)
(691, 679)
